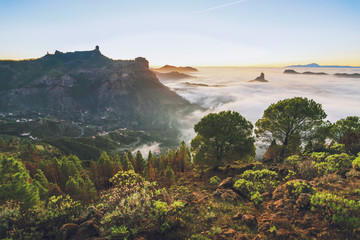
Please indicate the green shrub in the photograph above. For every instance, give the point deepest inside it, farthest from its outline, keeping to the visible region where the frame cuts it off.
(319, 156)
(296, 188)
(137, 205)
(127, 179)
(215, 180)
(198, 237)
(337, 148)
(41, 222)
(177, 206)
(356, 163)
(256, 199)
(253, 183)
(293, 160)
(215, 231)
(273, 229)
(9, 217)
(121, 232)
(258, 180)
(337, 210)
(340, 163)
(291, 174)
(327, 164)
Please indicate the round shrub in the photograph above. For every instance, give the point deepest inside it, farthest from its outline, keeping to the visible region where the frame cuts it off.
(215, 180)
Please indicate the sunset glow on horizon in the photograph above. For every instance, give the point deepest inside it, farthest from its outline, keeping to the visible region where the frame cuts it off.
(202, 33)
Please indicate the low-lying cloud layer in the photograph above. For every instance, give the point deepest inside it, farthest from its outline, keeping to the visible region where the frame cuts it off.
(145, 148)
(339, 96)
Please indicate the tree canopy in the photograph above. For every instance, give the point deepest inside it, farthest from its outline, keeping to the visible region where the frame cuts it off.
(15, 183)
(220, 135)
(290, 122)
(347, 131)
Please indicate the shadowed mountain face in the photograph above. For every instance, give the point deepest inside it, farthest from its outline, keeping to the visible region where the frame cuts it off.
(172, 75)
(89, 87)
(169, 68)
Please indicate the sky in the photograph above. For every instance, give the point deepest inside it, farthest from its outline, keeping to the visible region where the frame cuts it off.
(187, 32)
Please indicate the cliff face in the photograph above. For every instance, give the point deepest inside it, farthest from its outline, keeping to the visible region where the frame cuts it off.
(89, 87)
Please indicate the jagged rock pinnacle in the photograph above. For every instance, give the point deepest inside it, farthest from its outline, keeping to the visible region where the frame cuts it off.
(261, 78)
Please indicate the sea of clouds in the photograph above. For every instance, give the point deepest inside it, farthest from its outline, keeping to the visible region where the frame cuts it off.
(229, 89)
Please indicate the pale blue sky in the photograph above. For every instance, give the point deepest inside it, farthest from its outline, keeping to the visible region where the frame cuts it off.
(197, 32)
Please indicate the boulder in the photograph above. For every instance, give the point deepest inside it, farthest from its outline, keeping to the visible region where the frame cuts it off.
(283, 234)
(87, 230)
(237, 216)
(67, 231)
(229, 232)
(226, 194)
(249, 220)
(303, 201)
(226, 183)
(91, 213)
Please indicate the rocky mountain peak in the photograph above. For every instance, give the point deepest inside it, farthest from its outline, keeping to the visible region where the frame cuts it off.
(87, 86)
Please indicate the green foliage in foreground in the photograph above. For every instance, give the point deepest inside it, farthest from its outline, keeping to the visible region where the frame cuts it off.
(327, 164)
(296, 188)
(215, 180)
(338, 210)
(14, 183)
(356, 162)
(253, 183)
(136, 205)
(40, 222)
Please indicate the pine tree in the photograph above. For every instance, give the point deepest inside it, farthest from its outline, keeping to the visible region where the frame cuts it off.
(126, 164)
(184, 157)
(105, 169)
(15, 183)
(169, 173)
(3, 144)
(116, 163)
(149, 156)
(116, 158)
(163, 162)
(73, 187)
(90, 188)
(140, 163)
(68, 169)
(42, 183)
(131, 158)
(149, 172)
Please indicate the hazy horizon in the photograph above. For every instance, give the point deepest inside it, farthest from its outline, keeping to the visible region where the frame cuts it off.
(200, 66)
(229, 89)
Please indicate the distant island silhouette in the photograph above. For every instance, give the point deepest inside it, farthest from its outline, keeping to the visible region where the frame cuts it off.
(346, 75)
(291, 71)
(323, 66)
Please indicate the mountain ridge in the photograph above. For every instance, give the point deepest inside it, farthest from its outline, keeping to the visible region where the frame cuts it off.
(86, 86)
(324, 66)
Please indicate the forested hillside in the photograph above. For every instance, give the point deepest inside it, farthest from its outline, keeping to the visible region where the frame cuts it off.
(86, 87)
(305, 187)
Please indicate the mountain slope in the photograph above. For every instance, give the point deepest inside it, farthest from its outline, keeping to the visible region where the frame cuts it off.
(89, 87)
